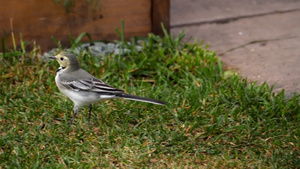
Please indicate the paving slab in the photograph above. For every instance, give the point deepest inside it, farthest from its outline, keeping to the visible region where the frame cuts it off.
(260, 39)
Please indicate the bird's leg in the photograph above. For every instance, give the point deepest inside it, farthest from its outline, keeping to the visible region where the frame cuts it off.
(75, 113)
(90, 112)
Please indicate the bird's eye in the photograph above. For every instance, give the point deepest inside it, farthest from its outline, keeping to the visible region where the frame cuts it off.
(61, 58)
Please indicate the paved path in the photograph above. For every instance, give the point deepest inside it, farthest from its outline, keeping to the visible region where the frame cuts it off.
(259, 39)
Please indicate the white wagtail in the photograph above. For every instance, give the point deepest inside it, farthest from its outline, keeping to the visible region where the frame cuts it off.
(85, 89)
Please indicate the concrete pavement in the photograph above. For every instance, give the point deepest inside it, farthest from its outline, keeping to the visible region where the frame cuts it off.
(260, 39)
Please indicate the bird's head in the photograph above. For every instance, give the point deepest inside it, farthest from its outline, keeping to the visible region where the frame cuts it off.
(66, 60)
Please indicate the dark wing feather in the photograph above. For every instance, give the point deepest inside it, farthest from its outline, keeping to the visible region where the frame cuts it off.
(92, 85)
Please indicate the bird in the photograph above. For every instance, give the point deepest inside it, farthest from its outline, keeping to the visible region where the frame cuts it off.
(83, 88)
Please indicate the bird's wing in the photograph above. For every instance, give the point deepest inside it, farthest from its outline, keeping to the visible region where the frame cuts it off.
(93, 85)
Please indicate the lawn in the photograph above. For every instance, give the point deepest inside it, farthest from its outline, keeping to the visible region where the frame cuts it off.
(213, 118)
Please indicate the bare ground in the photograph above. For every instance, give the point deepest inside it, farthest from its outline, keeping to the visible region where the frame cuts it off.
(258, 39)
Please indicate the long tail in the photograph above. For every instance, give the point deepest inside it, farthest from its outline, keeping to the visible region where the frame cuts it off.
(138, 98)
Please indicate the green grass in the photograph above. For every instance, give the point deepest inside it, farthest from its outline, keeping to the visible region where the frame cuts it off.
(211, 120)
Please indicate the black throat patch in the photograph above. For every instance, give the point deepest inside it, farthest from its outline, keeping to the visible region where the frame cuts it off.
(60, 68)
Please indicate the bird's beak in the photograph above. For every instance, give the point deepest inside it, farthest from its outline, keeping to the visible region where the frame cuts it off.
(52, 57)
